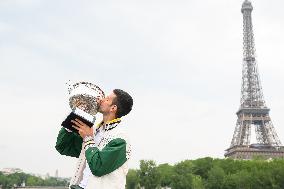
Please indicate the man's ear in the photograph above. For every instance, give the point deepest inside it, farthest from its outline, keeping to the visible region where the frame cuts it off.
(114, 108)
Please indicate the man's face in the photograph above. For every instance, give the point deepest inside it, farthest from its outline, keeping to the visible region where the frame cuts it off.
(106, 105)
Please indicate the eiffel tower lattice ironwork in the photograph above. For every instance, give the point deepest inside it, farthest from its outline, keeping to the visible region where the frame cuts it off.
(253, 112)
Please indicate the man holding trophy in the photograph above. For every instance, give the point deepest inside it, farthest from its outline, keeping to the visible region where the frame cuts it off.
(103, 151)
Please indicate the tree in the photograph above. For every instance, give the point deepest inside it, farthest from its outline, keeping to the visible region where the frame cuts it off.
(149, 176)
(278, 172)
(241, 179)
(34, 181)
(202, 166)
(166, 171)
(132, 179)
(183, 177)
(215, 178)
(197, 182)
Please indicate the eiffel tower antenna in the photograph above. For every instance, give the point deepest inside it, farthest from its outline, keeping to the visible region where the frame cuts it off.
(253, 112)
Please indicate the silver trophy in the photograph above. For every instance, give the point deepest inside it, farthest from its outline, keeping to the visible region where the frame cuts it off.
(84, 102)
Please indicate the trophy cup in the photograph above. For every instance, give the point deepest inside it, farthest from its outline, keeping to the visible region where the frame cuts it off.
(83, 100)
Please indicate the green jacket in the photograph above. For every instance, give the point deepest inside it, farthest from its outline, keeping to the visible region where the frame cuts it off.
(102, 160)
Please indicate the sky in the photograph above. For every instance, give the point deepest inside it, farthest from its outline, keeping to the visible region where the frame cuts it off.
(180, 60)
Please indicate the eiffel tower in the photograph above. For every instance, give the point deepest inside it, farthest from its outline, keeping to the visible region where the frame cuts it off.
(253, 114)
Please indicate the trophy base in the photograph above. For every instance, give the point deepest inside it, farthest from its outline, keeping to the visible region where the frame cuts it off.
(72, 116)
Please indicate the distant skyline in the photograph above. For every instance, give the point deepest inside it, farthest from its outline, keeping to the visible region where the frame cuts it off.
(180, 60)
(12, 170)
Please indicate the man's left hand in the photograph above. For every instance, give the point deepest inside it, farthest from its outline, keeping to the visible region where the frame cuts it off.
(83, 129)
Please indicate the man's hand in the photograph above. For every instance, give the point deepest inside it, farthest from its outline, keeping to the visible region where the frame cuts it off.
(83, 129)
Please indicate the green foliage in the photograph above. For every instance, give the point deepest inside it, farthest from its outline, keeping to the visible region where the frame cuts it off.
(215, 178)
(166, 171)
(132, 179)
(182, 177)
(202, 173)
(16, 179)
(197, 182)
(149, 176)
(202, 166)
(209, 173)
(34, 181)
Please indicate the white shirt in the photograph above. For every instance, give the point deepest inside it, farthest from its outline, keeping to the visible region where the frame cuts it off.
(87, 172)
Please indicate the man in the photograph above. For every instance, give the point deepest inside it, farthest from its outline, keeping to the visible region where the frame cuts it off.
(103, 152)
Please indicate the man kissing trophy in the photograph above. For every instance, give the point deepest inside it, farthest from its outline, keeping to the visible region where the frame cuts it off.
(103, 151)
(83, 100)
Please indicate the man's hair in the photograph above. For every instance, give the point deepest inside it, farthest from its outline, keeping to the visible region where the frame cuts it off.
(123, 101)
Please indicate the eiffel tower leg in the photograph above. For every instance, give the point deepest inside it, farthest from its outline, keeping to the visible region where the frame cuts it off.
(272, 135)
(262, 134)
(236, 135)
(245, 138)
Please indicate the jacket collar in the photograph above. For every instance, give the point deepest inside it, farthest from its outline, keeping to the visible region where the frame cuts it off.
(110, 124)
